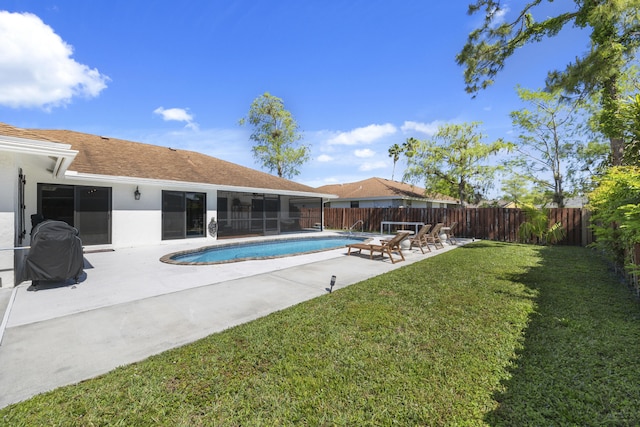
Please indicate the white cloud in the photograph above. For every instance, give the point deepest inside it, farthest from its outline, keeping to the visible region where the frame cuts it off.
(426, 128)
(178, 115)
(366, 134)
(364, 153)
(36, 66)
(498, 16)
(325, 158)
(372, 166)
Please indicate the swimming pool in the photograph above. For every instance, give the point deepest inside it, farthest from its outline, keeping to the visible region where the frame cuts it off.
(235, 252)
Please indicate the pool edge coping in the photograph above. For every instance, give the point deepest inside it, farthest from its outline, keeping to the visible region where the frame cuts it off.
(167, 259)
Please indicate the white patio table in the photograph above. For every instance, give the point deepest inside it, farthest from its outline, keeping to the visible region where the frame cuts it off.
(417, 225)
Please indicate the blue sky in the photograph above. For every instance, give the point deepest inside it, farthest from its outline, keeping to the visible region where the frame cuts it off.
(358, 76)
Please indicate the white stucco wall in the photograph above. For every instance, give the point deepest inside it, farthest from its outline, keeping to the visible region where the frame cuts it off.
(139, 222)
(8, 199)
(133, 222)
(418, 204)
(35, 170)
(336, 204)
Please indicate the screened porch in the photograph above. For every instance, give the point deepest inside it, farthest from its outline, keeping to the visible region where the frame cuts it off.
(259, 214)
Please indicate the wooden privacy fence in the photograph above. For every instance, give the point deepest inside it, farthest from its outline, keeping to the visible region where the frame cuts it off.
(481, 223)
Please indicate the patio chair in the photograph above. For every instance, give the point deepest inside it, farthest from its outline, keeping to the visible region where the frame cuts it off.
(384, 247)
(419, 239)
(448, 231)
(433, 236)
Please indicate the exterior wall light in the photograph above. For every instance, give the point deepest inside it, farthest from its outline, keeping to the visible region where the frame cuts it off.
(136, 194)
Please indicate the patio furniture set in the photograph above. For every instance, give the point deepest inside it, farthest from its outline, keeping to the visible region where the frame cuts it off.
(425, 236)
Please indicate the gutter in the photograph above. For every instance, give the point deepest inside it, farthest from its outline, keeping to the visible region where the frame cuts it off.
(190, 185)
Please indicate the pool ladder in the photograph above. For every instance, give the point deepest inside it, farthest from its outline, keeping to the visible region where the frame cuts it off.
(361, 222)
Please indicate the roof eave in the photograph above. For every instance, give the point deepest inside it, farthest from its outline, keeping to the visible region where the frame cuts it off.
(451, 202)
(61, 154)
(190, 185)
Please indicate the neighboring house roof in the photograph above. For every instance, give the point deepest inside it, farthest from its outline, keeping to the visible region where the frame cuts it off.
(495, 203)
(98, 155)
(379, 188)
(572, 202)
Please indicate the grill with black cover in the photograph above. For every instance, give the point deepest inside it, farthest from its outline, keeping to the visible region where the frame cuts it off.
(55, 254)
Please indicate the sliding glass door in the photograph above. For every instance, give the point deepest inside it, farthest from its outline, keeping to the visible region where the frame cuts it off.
(87, 208)
(93, 214)
(183, 214)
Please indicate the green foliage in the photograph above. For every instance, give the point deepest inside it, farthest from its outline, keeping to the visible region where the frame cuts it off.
(630, 112)
(394, 152)
(523, 190)
(489, 46)
(275, 132)
(551, 135)
(538, 228)
(454, 163)
(487, 334)
(615, 204)
(515, 188)
(614, 43)
(593, 160)
(408, 148)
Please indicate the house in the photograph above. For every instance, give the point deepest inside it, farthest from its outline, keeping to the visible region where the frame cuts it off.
(121, 193)
(384, 193)
(572, 202)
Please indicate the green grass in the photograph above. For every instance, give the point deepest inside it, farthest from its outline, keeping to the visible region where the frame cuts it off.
(489, 334)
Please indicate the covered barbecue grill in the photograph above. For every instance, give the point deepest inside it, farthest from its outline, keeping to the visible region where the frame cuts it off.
(55, 254)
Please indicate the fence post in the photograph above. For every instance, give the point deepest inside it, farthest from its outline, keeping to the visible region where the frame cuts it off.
(585, 221)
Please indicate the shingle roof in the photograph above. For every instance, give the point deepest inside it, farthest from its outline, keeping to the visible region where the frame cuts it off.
(117, 157)
(381, 188)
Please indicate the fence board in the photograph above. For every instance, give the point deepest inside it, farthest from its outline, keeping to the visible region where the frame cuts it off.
(483, 223)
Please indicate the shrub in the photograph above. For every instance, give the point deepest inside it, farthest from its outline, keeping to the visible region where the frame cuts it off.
(537, 227)
(615, 204)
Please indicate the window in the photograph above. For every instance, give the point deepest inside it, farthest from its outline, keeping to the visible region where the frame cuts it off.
(183, 215)
(355, 204)
(87, 208)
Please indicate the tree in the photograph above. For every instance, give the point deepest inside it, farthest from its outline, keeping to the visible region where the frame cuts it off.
(515, 188)
(410, 146)
(276, 133)
(394, 152)
(453, 163)
(549, 140)
(615, 37)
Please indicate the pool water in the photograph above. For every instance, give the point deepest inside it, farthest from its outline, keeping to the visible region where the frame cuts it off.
(261, 250)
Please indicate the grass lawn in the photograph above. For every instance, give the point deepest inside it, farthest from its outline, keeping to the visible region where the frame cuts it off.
(488, 334)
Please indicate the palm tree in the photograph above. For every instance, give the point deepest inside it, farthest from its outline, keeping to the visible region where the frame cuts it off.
(410, 146)
(394, 152)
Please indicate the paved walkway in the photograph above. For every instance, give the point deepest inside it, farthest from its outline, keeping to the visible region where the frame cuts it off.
(130, 306)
